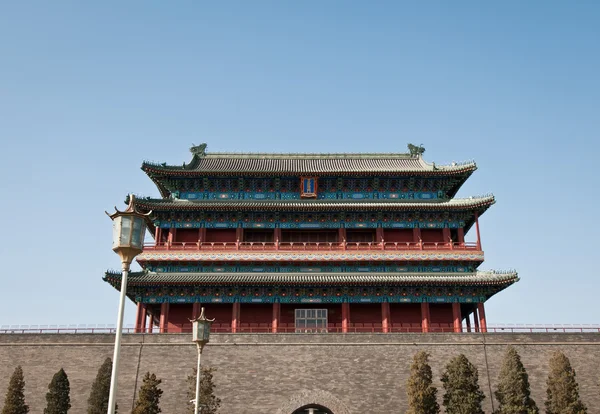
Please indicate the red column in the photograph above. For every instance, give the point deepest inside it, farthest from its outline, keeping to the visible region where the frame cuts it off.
(477, 228)
(235, 315)
(416, 235)
(476, 320)
(482, 322)
(195, 310)
(456, 316)
(144, 318)
(379, 235)
(164, 317)
(156, 235)
(171, 236)
(341, 235)
(138, 318)
(345, 316)
(276, 313)
(425, 316)
(150, 323)
(460, 235)
(446, 234)
(385, 317)
(277, 236)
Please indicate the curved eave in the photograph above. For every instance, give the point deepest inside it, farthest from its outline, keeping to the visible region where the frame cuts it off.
(479, 204)
(501, 279)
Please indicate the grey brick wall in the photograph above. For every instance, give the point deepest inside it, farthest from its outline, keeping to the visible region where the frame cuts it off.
(272, 373)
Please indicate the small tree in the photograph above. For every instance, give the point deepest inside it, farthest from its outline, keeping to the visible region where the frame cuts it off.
(58, 400)
(14, 403)
(562, 394)
(149, 397)
(98, 401)
(461, 383)
(209, 402)
(421, 394)
(513, 392)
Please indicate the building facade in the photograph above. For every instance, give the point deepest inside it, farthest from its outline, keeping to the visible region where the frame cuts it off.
(312, 243)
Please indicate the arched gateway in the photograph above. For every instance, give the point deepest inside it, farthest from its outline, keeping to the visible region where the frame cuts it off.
(313, 402)
(312, 409)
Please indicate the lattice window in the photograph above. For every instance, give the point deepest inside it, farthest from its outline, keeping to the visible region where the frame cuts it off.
(311, 320)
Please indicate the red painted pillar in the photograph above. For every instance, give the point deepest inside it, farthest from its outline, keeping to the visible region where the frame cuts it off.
(446, 234)
(417, 235)
(144, 318)
(138, 318)
(276, 316)
(385, 317)
(195, 310)
(425, 318)
(477, 228)
(482, 322)
(164, 317)
(456, 316)
(341, 235)
(460, 234)
(468, 321)
(277, 237)
(235, 315)
(156, 235)
(171, 236)
(379, 235)
(150, 322)
(476, 320)
(345, 317)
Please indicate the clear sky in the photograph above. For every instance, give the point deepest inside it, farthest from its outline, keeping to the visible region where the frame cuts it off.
(88, 90)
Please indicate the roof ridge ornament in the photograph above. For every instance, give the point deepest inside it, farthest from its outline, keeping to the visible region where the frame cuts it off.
(198, 150)
(416, 150)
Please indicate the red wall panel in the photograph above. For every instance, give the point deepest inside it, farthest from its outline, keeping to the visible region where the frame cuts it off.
(398, 235)
(432, 235)
(220, 235)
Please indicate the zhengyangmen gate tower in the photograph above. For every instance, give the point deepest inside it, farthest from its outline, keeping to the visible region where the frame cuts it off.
(312, 243)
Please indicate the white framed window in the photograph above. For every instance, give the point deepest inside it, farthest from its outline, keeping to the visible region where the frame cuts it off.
(311, 320)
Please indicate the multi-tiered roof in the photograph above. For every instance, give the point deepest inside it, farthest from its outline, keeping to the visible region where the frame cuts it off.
(387, 192)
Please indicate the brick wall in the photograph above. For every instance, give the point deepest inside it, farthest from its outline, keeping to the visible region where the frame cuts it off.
(351, 373)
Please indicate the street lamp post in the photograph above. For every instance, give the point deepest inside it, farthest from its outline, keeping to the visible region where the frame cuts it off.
(129, 229)
(201, 336)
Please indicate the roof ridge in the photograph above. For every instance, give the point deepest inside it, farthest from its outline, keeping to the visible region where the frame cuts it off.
(311, 155)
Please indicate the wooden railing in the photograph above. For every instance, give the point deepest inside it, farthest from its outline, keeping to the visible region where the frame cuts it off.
(311, 246)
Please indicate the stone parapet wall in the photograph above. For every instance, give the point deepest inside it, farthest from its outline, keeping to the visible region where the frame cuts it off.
(276, 373)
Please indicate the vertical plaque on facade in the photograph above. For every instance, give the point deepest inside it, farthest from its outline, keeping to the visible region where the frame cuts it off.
(308, 187)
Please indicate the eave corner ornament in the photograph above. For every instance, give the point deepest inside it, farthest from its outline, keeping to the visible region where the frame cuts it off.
(416, 150)
(198, 150)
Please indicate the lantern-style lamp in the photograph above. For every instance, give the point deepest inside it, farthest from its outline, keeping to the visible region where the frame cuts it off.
(201, 336)
(129, 229)
(201, 329)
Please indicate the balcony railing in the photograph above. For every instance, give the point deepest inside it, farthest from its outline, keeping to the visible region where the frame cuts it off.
(289, 328)
(310, 246)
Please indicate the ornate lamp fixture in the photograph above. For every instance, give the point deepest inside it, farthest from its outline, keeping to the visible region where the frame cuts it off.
(201, 336)
(129, 229)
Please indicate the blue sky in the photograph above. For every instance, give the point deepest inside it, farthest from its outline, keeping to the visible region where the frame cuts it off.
(88, 90)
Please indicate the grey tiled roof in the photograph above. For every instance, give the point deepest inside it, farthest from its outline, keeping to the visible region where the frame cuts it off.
(316, 205)
(474, 278)
(309, 164)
